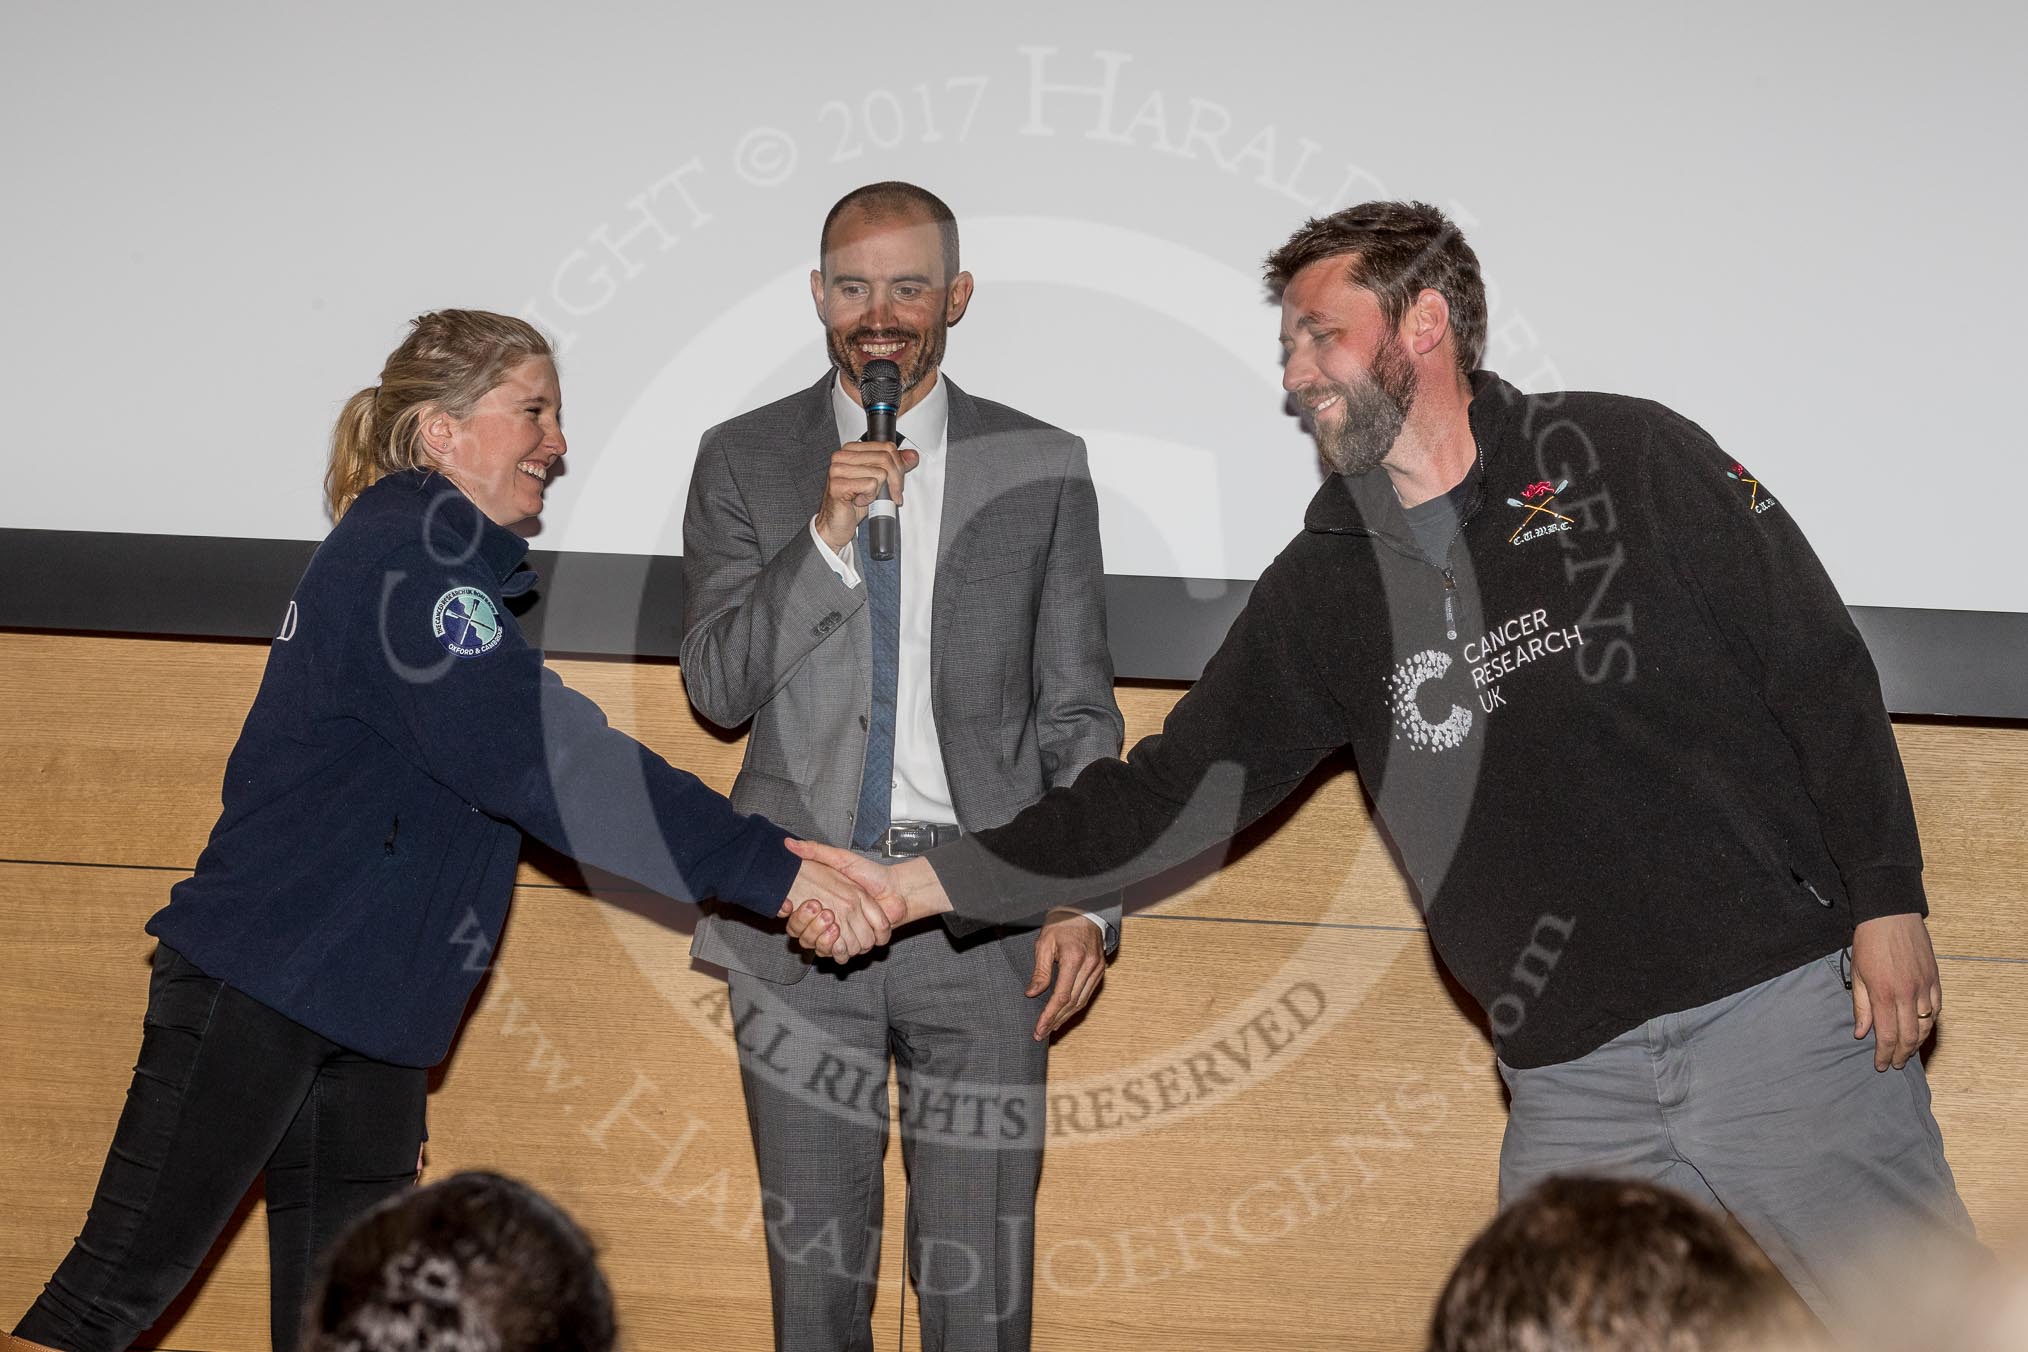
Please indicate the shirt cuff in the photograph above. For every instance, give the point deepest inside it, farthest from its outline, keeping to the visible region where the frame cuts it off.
(839, 561)
(1109, 938)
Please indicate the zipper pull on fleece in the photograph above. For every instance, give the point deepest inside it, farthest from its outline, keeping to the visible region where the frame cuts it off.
(1450, 614)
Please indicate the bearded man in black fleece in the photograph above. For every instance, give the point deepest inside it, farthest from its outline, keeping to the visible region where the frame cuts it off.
(1623, 732)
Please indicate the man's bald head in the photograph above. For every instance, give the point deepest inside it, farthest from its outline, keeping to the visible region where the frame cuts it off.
(901, 202)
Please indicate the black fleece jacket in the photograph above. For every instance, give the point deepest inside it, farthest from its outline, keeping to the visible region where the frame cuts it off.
(1628, 742)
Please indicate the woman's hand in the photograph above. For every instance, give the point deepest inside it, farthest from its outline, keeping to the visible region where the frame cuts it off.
(823, 890)
(887, 897)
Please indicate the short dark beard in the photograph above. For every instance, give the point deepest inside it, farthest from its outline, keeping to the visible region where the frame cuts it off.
(1374, 413)
(929, 351)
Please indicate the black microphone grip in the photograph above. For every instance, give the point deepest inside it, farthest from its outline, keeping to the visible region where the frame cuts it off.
(880, 423)
(880, 392)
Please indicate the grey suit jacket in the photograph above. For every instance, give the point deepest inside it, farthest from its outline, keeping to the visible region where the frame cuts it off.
(1021, 677)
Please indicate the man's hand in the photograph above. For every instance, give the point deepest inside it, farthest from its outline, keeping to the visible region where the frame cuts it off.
(857, 470)
(1896, 991)
(1076, 949)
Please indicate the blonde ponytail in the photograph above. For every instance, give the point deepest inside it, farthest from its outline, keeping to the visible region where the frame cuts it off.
(353, 464)
(448, 362)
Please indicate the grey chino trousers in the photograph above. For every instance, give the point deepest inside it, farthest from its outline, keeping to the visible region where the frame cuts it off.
(1763, 1104)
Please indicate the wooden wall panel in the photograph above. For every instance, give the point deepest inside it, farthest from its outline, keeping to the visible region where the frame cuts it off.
(1302, 1181)
(71, 1005)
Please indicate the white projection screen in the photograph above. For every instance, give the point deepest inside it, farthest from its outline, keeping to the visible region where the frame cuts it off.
(1797, 225)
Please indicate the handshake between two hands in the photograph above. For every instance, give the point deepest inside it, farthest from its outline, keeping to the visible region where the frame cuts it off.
(843, 904)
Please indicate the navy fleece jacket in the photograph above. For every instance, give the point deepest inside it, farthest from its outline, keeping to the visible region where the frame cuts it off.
(404, 737)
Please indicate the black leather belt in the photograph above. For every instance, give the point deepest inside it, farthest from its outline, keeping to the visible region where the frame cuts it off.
(906, 839)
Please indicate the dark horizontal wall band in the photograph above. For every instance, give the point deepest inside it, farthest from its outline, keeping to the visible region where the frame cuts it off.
(1950, 663)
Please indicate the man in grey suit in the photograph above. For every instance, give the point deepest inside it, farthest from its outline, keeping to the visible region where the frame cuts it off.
(894, 704)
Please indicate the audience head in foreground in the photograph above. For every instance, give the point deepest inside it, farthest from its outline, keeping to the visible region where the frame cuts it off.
(1590, 1263)
(476, 1263)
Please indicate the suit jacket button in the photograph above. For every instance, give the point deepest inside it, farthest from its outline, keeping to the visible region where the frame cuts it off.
(862, 722)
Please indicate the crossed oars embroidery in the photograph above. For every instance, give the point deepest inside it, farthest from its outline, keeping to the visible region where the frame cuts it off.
(1739, 473)
(1535, 509)
(477, 620)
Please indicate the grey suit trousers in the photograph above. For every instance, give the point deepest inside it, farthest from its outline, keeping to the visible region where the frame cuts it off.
(970, 1081)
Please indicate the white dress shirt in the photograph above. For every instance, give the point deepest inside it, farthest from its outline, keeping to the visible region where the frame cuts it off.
(922, 791)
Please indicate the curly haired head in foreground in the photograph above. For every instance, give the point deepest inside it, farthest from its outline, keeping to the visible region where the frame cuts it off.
(476, 1263)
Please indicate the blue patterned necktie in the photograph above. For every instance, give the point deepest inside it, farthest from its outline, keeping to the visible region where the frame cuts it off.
(883, 608)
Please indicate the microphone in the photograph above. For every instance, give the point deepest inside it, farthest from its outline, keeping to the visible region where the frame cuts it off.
(880, 392)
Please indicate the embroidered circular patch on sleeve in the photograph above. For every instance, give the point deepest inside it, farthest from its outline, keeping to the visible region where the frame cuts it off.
(466, 622)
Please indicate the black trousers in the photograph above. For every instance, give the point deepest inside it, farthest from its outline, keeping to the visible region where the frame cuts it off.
(225, 1089)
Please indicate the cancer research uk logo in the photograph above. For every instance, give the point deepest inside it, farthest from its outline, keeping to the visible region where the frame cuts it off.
(465, 622)
(1404, 692)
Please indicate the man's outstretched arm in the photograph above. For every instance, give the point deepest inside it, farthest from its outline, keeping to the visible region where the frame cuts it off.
(1237, 743)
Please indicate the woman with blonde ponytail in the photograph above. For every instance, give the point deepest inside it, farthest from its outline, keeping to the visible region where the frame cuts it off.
(317, 961)
(451, 360)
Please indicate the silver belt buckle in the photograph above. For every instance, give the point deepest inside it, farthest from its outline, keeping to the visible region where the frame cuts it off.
(907, 839)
